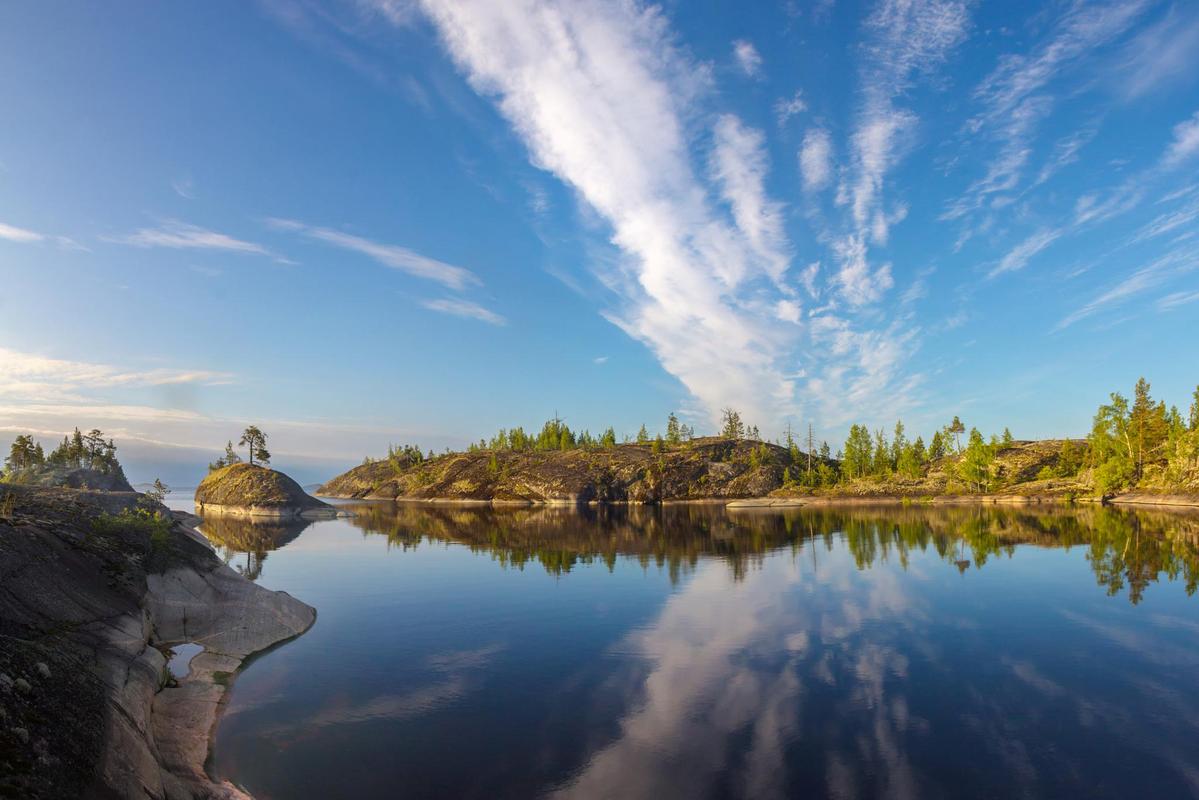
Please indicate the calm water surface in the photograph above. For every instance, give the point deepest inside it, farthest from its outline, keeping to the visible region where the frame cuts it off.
(694, 652)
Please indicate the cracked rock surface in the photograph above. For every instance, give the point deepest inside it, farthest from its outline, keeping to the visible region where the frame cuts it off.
(87, 708)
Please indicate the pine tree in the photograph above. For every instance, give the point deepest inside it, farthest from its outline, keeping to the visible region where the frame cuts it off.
(956, 429)
(881, 460)
(253, 438)
(674, 433)
(1007, 438)
(732, 427)
(1149, 428)
(936, 448)
(608, 440)
(975, 466)
(23, 454)
(898, 444)
(642, 435)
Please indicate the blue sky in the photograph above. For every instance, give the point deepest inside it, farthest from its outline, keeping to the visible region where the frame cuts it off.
(374, 220)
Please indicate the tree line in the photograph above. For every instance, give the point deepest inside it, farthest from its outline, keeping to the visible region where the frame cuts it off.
(1143, 443)
(91, 450)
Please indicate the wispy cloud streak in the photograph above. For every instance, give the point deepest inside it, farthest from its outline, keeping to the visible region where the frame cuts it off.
(597, 91)
(389, 255)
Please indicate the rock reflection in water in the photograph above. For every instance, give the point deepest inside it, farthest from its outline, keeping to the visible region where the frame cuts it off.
(244, 542)
(1127, 550)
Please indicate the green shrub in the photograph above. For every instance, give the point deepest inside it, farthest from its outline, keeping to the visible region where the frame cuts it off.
(154, 525)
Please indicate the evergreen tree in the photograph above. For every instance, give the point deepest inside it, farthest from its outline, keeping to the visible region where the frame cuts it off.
(608, 440)
(881, 460)
(732, 427)
(975, 465)
(898, 444)
(674, 432)
(1149, 427)
(23, 454)
(956, 429)
(253, 438)
(1069, 460)
(1111, 447)
(157, 491)
(642, 435)
(1007, 438)
(856, 462)
(77, 450)
(936, 448)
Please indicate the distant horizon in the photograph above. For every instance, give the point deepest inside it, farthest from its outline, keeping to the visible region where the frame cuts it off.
(418, 222)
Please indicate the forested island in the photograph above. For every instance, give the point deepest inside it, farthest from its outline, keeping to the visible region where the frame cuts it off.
(1136, 449)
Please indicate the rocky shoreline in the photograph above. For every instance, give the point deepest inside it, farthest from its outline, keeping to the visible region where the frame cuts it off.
(89, 607)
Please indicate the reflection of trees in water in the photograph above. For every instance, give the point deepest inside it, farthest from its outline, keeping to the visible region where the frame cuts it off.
(1126, 548)
(251, 538)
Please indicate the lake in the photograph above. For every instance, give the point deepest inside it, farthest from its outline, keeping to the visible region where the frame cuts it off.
(690, 651)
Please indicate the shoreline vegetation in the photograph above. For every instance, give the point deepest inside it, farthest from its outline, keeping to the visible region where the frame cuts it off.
(1137, 452)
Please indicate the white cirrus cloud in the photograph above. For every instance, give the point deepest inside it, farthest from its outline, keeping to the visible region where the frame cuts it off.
(389, 255)
(1184, 145)
(185, 236)
(24, 369)
(739, 166)
(1019, 256)
(12, 233)
(602, 98)
(1176, 299)
(1016, 96)
(464, 308)
(904, 39)
(1175, 263)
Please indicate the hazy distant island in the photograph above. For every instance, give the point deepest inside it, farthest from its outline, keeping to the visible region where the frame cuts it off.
(1136, 452)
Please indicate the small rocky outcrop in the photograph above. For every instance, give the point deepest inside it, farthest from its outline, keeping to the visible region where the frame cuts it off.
(94, 590)
(255, 491)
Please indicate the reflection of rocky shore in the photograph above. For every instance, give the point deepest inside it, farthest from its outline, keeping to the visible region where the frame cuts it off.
(1128, 549)
(251, 537)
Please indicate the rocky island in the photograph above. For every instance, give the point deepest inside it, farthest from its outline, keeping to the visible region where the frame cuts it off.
(702, 469)
(1137, 453)
(252, 490)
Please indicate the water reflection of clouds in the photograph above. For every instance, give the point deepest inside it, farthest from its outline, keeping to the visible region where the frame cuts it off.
(725, 660)
(456, 673)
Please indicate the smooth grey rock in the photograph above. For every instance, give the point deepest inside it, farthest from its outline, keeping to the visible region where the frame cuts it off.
(43, 669)
(21, 734)
(23, 686)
